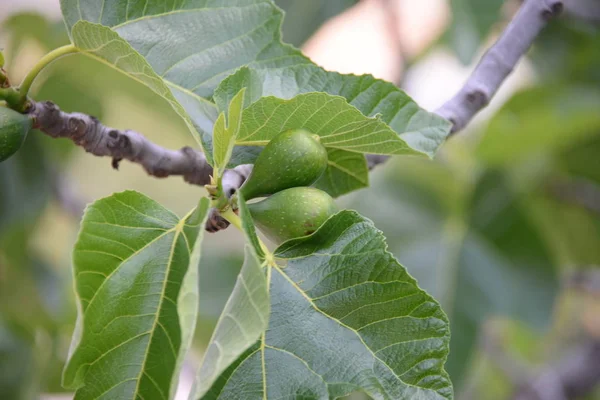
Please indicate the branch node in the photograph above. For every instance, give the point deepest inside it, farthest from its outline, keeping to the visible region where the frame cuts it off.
(553, 9)
(159, 172)
(215, 222)
(478, 98)
(115, 163)
(548, 14)
(78, 128)
(119, 144)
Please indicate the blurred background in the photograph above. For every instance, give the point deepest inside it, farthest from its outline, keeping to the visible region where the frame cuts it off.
(503, 227)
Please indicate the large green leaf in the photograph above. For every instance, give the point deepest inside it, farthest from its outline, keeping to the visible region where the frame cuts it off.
(136, 286)
(339, 125)
(345, 317)
(206, 41)
(193, 45)
(106, 45)
(190, 47)
(421, 130)
(471, 242)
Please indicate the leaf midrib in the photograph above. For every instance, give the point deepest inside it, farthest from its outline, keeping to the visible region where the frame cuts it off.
(178, 230)
(122, 262)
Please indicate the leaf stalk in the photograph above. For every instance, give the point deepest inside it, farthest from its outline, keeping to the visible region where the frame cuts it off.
(43, 63)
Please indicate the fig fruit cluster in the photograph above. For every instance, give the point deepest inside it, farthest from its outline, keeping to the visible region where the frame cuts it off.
(14, 128)
(285, 169)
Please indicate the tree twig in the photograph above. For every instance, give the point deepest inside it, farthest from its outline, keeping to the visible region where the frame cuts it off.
(87, 132)
(499, 61)
(100, 140)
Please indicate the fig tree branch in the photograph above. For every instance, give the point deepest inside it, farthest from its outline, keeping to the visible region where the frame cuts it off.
(87, 132)
(499, 61)
(95, 138)
(100, 140)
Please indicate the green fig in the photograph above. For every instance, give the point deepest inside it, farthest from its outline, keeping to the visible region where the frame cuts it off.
(293, 158)
(292, 213)
(13, 130)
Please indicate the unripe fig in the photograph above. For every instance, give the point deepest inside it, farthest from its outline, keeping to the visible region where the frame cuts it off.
(292, 213)
(13, 130)
(293, 158)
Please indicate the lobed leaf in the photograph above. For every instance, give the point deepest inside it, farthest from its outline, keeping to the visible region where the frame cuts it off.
(190, 47)
(340, 125)
(471, 241)
(186, 48)
(136, 284)
(345, 316)
(421, 130)
(107, 46)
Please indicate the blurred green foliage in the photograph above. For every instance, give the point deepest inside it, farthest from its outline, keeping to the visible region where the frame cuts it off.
(488, 228)
(472, 21)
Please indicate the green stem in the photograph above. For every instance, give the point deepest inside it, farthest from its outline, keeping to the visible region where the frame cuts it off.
(12, 98)
(235, 220)
(43, 63)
